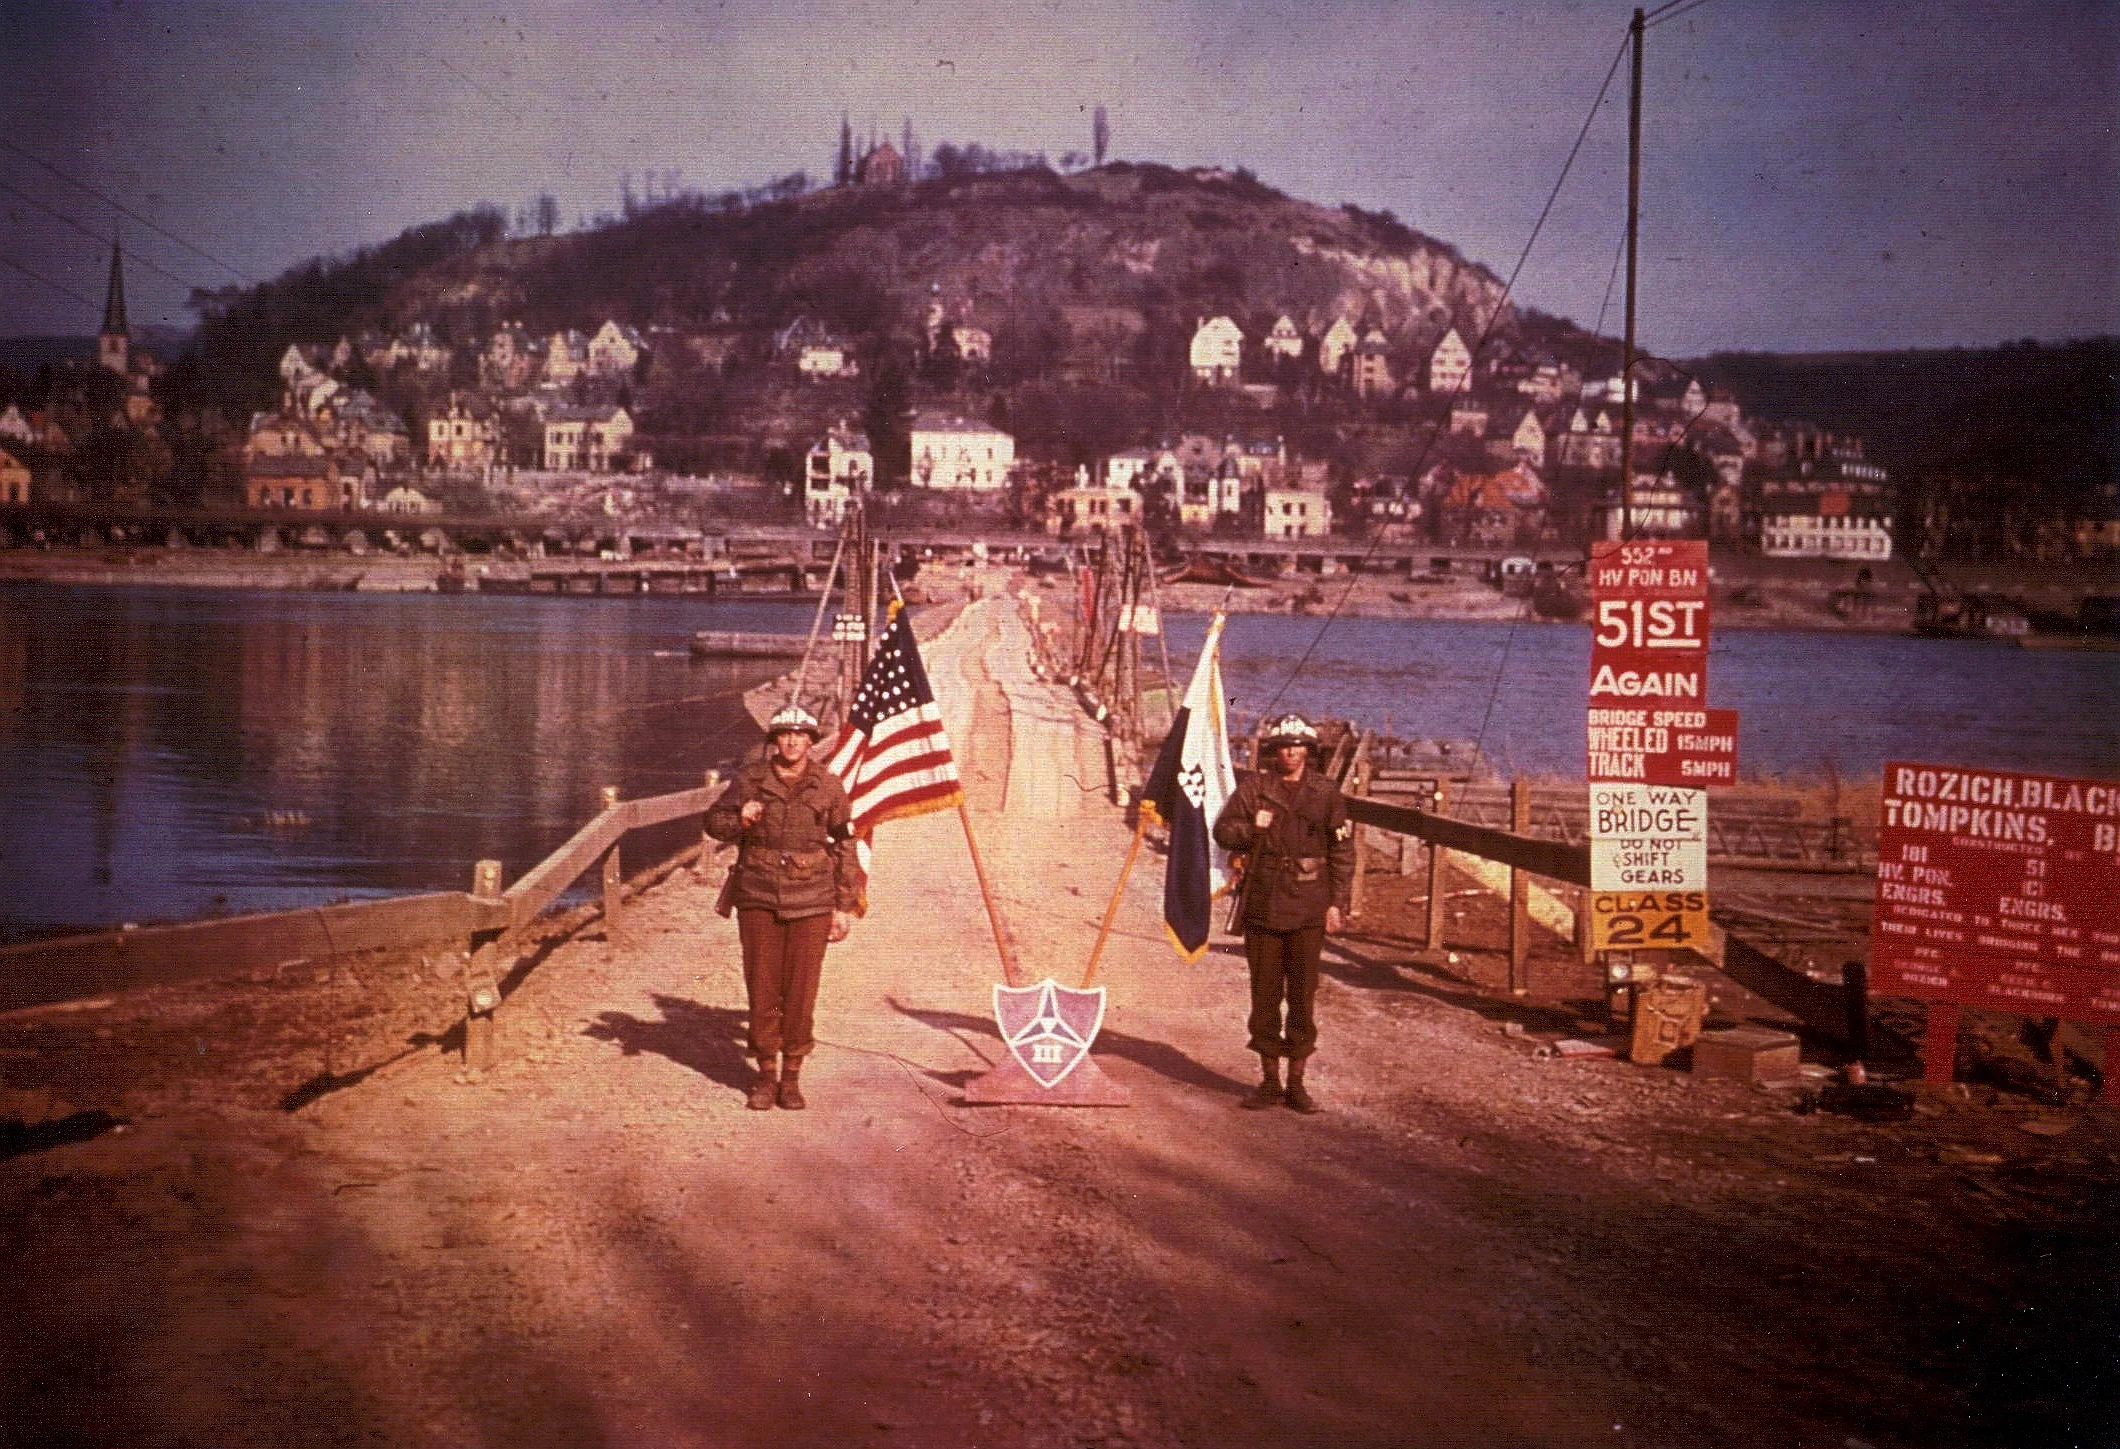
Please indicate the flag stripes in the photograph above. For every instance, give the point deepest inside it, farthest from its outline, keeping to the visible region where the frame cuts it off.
(892, 754)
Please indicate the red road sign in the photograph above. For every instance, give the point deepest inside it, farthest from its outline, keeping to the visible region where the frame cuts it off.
(1649, 623)
(1660, 745)
(1999, 889)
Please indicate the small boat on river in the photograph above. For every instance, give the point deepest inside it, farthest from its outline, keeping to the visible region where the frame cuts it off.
(735, 644)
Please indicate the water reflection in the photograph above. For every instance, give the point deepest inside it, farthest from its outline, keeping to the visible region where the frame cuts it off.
(168, 753)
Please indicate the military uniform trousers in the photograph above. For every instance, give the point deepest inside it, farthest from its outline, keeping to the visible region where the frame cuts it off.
(783, 960)
(1284, 968)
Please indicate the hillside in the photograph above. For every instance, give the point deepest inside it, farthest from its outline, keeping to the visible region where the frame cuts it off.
(1014, 251)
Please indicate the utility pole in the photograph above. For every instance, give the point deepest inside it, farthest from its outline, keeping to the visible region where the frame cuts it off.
(1626, 364)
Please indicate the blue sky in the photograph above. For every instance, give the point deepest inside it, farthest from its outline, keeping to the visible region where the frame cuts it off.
(1817, 175)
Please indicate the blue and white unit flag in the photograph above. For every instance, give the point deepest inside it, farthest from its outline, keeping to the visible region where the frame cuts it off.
(1191, 779)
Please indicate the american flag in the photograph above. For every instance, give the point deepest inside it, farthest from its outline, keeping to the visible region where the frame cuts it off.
(892, 753)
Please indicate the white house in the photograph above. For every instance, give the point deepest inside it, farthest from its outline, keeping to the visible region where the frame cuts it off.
(1129, 469)
(1659, 509)
(1450, 365)
(839, 467)
(1284, 340)
(1217, 351)
(1092, 508)
(827, 359)
(566, 354)
(1333, 347)
(459, 439)
(954, 452)
(615, 350)
(1296, 513)
(407, 499)
(1832, 524)
(589, 439)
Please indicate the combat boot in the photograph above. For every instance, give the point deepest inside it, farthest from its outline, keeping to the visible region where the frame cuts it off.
(764, 1088)
(1298, 1097)
(1268, 1092)
(790, 1087)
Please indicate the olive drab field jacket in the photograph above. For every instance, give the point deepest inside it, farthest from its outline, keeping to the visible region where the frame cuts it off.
(1300, 864)
(799, 859)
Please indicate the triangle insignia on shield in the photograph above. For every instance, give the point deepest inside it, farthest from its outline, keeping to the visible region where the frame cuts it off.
(1048, 1027)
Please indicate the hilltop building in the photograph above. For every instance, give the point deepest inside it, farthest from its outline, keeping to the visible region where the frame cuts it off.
(880, 165)
(1217, 351)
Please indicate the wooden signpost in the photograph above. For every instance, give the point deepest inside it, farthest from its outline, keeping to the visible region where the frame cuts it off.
(1654, 746)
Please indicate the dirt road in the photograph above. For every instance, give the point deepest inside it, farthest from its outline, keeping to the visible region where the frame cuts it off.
(596, 1244)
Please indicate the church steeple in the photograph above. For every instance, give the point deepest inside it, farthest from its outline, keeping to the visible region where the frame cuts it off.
(114, 342)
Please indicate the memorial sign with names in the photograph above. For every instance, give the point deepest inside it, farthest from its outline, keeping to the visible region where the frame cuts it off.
(1999, 889)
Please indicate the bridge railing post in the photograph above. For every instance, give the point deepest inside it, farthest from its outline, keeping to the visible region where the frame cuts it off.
(482, 989)
(1438, 804)
(614, 881)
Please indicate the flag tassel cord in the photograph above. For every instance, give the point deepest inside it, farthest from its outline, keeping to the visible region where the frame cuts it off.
(1111, 911)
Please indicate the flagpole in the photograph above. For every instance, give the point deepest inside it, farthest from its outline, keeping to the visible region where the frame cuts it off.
(1010, 971)
(1142, 811)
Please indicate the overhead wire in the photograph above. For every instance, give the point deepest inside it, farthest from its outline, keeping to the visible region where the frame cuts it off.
(92, 234)
(1494, 318)
(125, 211)
(1683, 9)
(47, 281)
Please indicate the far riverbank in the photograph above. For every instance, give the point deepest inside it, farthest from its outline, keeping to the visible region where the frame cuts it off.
(1751, 592)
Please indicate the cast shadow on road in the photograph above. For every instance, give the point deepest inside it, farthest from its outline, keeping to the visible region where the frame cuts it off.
(706, 1039)
(1159, 1057)
(1375, 971)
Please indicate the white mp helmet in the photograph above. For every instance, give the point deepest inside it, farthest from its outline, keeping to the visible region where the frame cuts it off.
(794, 719)
(1289, 729)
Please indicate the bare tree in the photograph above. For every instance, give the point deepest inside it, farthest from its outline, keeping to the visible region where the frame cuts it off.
(547, 213)
(1100, 135)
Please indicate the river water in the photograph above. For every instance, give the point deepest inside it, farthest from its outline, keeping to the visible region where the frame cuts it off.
(1811, 704)
(169, 753)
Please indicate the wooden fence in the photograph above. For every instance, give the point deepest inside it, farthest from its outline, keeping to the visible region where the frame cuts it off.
(487, 922)
(1541, 833)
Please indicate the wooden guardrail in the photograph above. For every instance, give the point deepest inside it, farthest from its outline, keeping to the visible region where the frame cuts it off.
(1821, 1007)
(486, 920)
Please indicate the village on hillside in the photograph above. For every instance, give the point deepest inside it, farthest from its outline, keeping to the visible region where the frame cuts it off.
(1436, 434)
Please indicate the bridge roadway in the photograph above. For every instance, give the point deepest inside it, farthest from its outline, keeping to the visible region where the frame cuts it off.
(594, 1243)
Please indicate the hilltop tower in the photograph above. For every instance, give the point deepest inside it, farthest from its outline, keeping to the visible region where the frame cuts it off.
(114, 342)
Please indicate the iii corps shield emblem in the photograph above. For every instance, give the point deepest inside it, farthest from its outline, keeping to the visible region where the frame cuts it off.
(1048, 1029)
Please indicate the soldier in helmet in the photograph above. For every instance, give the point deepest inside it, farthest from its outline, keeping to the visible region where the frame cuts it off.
(795, 886)
(1291, 825)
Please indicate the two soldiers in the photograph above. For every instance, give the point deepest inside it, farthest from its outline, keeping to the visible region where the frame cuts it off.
(1290, 823)
(796, 886)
